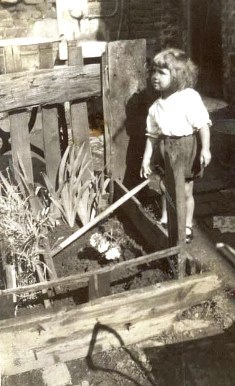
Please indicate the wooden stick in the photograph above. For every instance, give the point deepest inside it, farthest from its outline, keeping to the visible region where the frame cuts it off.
(98, 218)
(227, 251)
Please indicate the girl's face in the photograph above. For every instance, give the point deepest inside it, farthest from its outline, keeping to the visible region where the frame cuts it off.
(161, 79)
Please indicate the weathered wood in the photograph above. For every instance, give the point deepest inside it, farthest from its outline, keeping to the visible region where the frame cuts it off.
(116, 320)
(50, 124)
(48, 86)
(78, 111)
(124, 82)
(2, 61)
(82, 278)
(46, 301)
(51, 142)
(154, 234)
(20, 144)
(99, 285)
(46, 59)
(12, 59)
(175, 196)
(227, 251)
(20, 139)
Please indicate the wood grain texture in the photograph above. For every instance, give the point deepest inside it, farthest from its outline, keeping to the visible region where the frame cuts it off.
(48, 86)
(125, 81)
(113, 321)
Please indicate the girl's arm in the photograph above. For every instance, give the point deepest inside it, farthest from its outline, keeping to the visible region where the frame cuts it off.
(145, 170)
(205, 156)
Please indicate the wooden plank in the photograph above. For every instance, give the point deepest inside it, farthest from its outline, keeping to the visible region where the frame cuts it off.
(49, 86)
(99, 285)
(46, 59)
(125, 107)
(20, 144)
(51, 142)
(154, 234)
(12, 59)
(78, 111)
(2, 61)
(50, 123)
(175, 196)
(84, 277)
(112, 321)
(19, 132)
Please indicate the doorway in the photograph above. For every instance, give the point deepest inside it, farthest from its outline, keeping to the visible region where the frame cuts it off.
(206, 45)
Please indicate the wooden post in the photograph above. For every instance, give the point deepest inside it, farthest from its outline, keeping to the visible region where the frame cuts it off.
(50, 123)
(20, 140)
(78, 110)
(175, 196)
(124, 102)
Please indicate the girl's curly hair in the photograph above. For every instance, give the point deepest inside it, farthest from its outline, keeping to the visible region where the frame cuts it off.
(183, 71)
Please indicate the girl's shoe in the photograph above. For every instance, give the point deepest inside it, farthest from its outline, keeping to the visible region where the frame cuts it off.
(189, 235)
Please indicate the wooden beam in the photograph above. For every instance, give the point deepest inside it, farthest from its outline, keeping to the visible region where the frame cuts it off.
(49, 86)
(83, 278)
(154, 234)
(113, 321)
(175, 196)
(79, 112)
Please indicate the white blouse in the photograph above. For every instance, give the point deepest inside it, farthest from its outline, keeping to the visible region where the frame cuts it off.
(180, 114)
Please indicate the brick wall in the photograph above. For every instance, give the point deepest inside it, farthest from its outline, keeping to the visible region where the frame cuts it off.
(228, 41)
(156, 20)
(161, 22)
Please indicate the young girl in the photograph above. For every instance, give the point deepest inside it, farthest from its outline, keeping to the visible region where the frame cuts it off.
(178, 114)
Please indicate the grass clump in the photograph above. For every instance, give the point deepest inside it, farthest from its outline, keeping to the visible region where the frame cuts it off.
(22, 232)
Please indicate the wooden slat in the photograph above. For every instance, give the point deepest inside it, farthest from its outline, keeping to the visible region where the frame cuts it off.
(119, 319)
(48, 86)
(46, 55)
(50, 124)
(78, 111)
(51, 142)
(20, 144)
(2, 61)
(99, 285)
(154, 234)
(123, 90)
(12, 59)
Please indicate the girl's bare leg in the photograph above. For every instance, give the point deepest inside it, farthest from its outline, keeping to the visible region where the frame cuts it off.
(189, 201)
(163, 218)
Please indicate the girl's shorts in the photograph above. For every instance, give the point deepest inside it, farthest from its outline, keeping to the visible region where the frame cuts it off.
(191, 146)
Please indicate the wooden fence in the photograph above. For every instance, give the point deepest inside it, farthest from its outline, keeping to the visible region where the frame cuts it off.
(36, 97)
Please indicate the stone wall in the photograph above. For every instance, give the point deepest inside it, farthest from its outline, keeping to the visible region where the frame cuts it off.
(17, 17)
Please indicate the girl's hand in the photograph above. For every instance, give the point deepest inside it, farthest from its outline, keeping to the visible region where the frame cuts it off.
(145, 170)
(205, 157)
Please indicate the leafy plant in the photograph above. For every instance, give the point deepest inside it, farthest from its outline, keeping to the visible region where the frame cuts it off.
(79, 192)
(22, 231)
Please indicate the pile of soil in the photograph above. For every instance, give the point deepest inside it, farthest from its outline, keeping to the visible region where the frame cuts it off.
(82, 257)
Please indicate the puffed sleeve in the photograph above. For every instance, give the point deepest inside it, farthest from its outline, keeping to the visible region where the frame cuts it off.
(197, 114)
(152, 128)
